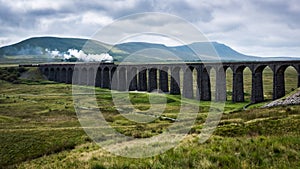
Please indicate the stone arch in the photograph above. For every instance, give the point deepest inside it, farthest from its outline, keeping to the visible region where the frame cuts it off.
(220, 86)
(52, 74)
(279, 81)
(297, 68)
(204, 83)
(197, 80)
(106, 78)
(46, 72)
(164, 79)
(91, 77)
(57, 75)
(63, 75)
(152, 79)
(195, 85)
(175, 81)
(268, 84)
(69, 75)
(122, 79)
(113, 73)
(132, 78)
(229, 82)
(142, 79)
(98, 81)
(247, 74)
(238, 94)
(76, 75)
(212, 73)
(257, 94)
(83, 76)
(187, 87)
(290, 76)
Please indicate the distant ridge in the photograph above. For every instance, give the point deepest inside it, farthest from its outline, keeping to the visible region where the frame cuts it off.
(37, 46)
(41, 47)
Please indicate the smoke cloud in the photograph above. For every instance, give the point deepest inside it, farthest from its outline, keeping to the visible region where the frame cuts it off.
(80, 55)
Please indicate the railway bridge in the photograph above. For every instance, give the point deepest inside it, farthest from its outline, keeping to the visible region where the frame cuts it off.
(176, 78)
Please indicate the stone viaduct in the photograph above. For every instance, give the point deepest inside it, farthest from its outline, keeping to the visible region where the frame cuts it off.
(167, 77)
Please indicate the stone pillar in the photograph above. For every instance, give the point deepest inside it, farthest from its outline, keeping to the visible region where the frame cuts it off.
(63, 75)
(142, 85)
(90, 77)
(51, 74)
(152, 79)
(75, 77)
(278, 84)
(83, 76)
(163, 80)
(69, 76)
(113, 74)
(175, 81)
(257, 86)
(122, 82)
(106, 78)
(220, 84)
(57, 75)
(45, 71)
(203, 83)
(98, 81)
(132, 79)
(114, 78)
(238, 86)
(187, 90)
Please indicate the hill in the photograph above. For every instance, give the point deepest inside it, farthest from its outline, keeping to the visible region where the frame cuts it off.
(47, 49)
(38, 46)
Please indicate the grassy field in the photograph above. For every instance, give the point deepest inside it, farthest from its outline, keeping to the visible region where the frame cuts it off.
(39, 129)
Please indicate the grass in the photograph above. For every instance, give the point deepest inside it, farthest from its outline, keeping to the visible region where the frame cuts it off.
(39, 129)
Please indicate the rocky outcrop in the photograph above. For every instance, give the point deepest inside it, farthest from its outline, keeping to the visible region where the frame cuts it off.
(293, 99)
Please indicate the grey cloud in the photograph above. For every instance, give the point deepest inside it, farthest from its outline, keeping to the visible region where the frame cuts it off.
(8, 17)
(282, 11)
(184, 9)
(242, 24)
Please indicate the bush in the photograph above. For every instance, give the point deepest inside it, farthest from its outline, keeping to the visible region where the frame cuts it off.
(11, 74)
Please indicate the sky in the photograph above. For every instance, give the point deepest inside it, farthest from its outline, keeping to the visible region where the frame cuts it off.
(253, 27)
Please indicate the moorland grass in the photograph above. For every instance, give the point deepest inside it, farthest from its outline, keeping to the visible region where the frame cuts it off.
(39, 129)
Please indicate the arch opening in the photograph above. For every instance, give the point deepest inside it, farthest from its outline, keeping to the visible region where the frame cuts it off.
(212, 78)
(63, 77)
(57, 75)
(267, 83)
(164, 79)
(175, 86)
(229, 83)
(290, 78)
(69, 76)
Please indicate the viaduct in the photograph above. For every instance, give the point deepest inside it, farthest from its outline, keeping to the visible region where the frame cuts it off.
(166, 77)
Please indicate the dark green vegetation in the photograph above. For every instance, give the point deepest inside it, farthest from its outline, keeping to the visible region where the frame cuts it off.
(39, 129)
(37, 50)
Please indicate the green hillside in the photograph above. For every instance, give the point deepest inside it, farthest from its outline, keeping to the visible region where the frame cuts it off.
(37, 46)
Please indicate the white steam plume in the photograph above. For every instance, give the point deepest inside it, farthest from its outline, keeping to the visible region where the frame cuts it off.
(81, 56)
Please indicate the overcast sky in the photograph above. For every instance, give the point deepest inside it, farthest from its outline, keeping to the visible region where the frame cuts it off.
(254, 27)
